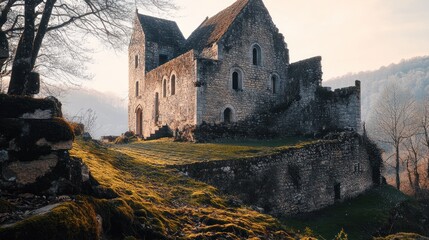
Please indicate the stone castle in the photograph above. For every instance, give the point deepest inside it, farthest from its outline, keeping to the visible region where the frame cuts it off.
(233, 70)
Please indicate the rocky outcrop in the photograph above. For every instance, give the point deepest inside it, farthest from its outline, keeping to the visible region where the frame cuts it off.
(34, 144)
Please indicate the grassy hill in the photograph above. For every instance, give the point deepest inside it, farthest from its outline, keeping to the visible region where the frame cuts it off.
(156, 202)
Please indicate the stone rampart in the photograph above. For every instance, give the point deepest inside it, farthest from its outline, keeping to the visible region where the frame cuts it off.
(298, 179)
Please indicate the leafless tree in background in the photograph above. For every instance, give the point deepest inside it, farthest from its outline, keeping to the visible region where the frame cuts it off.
(413, 158)
(86, 117)
(395, 121)
(47, 35)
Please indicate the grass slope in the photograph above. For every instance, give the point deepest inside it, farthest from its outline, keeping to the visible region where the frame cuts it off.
(360, 218)
(167, 152)
(171, 205)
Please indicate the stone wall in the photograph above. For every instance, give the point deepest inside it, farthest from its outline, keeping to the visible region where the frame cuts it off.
(175, 111)
(253, 26)
(300, 179)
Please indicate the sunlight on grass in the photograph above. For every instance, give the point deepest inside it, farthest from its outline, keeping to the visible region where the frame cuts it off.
(167, 152)
(172, 204)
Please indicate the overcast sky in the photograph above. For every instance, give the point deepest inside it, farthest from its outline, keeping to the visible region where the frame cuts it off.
(351, 36)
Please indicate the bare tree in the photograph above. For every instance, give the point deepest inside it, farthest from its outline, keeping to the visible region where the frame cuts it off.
(413, 157)
(86, 117)
(424, 125)
(28, 23)
(395, 121)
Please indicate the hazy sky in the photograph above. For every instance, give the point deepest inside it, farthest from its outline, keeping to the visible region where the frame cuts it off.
(351, 36)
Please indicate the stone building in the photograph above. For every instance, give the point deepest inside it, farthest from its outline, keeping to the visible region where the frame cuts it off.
(232, 70)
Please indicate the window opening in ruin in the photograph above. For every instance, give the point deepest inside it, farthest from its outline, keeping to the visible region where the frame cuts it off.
(136, 61)
(137, 89)
(162, 59)
(173, 85)
(337, 190)
(235, 79)
(156, 107)
(274, 84)
(164, 88)
(139, 122)
(227, 115)
(256, 55)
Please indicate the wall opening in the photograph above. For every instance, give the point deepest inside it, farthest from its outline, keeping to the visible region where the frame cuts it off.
(136, 61)
(162, 59)
(173, 85)
(256, 55)
(227, 115)
(237, 80)
(137, 89)
(337, 191)
(139, 122)
(274, 84)
(164, 88)
(156, 107)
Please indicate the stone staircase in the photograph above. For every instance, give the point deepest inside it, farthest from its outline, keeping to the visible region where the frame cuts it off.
(162, 132)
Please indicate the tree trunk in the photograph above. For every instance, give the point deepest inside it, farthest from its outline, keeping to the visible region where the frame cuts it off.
(21, 67)
(410, 179)
(398, 179)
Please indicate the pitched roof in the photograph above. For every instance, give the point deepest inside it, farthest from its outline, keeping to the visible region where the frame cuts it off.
(212, 29)
(162, 31)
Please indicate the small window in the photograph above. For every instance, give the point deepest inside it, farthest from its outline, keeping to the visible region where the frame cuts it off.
(256, 55)
(173, 85)
(274, 84)
(162, 59)
(136, 61)
(164, 88)
(237, 80)
(137, 89)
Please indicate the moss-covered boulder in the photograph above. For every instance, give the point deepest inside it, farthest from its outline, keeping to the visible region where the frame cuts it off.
(27, 107)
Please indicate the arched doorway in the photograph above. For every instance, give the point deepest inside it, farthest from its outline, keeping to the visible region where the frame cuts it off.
(227, 115)
(139, 122)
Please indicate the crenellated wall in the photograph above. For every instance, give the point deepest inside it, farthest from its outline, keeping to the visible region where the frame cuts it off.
(299, 179)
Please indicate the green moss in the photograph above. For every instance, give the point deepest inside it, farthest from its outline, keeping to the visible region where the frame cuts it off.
(70, 221)
(15, 106)
(402, 236)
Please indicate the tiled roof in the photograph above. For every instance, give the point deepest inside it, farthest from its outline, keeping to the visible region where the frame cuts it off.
(162, 31)
(212, 29)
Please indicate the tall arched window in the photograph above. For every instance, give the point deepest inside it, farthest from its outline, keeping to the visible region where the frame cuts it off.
(236, 79)
(164, 88)
(173, 85)
(256, 55)
(227, 115)
(137, 89)
(274, 84)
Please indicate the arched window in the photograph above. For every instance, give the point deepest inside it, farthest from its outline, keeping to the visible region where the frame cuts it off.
(164, 88)
(274, 84)
(137, 89)
(256, 55)
(173, 85)
(237, 80)
(227, 115)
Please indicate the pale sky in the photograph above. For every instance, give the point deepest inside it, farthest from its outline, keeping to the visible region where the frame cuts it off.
(351, 36)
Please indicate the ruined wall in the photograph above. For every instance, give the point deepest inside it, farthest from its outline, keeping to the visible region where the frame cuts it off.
(176, 110)
(301, 179)
(234, 52)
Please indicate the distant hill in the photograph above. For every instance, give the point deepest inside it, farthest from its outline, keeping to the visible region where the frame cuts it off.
(412, 74)
(110, 109)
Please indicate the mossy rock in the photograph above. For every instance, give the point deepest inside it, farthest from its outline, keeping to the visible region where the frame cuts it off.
(68, 221)
(17, 106)
(25, 133)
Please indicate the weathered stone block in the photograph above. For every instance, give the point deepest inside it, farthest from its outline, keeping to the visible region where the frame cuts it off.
(31, 135)
(29, 108)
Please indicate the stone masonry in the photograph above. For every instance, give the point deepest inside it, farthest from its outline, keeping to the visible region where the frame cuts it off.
(295, 180)
(234, 67)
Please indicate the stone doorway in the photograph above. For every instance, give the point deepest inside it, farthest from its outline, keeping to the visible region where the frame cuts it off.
(139, 122)
(227, 115)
